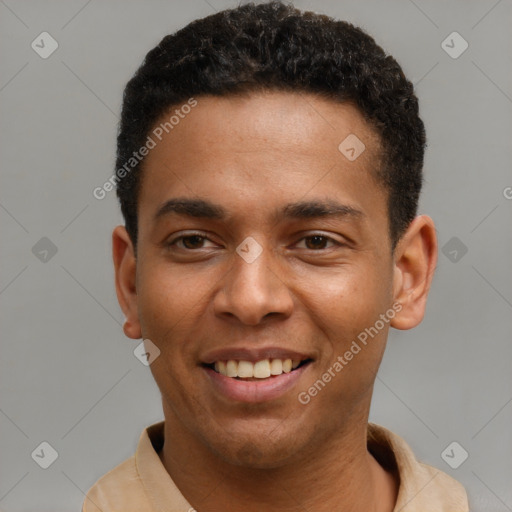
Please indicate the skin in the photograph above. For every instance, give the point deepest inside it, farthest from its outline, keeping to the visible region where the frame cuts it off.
(252, 155)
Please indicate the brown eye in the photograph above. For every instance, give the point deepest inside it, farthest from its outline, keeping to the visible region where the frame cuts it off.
(188, 242)
(318, 242)
(193, 241)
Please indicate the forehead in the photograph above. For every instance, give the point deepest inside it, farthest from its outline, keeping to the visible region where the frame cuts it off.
(269, 120)
(263, 147)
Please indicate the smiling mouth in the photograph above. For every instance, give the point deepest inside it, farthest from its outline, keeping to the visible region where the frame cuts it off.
(262, 369)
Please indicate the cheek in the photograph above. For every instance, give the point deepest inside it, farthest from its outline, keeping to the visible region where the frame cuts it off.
(347, 307)
(350, 299)
(168, 301)
(166, 293)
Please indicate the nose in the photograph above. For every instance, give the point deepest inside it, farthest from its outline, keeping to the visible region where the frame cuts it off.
(254, 291)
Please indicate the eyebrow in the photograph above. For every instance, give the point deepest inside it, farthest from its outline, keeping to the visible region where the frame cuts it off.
(200, 208)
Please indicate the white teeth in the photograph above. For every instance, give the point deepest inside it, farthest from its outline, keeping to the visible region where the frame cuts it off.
(262, 369)
(245, 369)
(221, 367)
(287, 365)
(232, 368)
(276, 367)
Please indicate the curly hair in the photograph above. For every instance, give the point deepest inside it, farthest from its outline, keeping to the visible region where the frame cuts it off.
(274, 46)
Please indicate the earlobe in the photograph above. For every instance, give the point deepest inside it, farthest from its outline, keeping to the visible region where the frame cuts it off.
(415, 262)
(125, 277)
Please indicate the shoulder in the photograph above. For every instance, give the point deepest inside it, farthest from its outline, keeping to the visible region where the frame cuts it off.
(431, 485)
(422, 487)
(119, 489)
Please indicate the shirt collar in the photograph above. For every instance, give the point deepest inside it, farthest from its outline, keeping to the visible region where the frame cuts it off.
(421, 487)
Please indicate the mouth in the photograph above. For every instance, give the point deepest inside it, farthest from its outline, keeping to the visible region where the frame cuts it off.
(258, 370)
(255, 376)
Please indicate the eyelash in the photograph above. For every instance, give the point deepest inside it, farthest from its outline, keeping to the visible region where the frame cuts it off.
(202, 235)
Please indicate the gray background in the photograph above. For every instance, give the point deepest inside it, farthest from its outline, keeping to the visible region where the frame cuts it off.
(68, 375)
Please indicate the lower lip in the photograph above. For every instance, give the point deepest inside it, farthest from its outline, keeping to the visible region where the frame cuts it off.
(254, 391)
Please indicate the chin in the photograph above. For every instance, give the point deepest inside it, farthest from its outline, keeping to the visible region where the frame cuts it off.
(257, 450)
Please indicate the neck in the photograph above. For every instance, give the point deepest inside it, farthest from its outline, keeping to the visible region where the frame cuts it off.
(339, 473)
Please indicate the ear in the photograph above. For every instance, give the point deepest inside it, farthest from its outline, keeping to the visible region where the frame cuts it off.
(125, 270)
(415, 260)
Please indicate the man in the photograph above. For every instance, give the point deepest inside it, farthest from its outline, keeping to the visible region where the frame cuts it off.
(269, 166)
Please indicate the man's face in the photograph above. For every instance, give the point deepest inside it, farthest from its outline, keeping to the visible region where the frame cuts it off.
(319, 281)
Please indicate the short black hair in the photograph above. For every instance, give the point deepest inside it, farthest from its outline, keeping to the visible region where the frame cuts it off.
(274, 46)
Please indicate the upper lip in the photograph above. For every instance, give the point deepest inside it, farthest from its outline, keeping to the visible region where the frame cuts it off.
(253, 354)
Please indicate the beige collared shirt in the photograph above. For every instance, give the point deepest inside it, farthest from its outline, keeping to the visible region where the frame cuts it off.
(142, 484)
